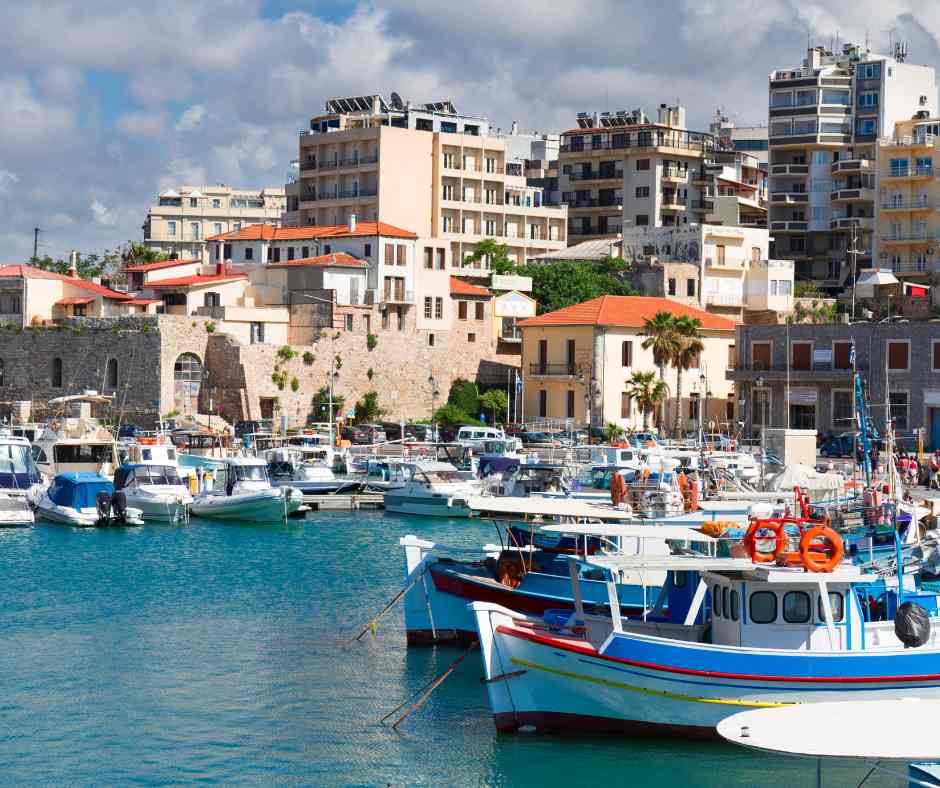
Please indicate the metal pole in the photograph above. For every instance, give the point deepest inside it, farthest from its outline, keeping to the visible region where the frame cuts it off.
(35, 246)
(787, 404)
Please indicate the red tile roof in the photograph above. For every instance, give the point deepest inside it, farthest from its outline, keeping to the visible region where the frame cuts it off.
(334, 260)
(161, 264)
(624, 311)
(197, 280)
(29, 272)
(74, 301)
(267, 232)
(459, 287)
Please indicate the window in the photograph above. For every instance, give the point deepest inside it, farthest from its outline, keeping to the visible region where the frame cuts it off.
(842, 355)
(641, 220)
(716, 601)
(216, 203)
(865, 126)
(693, 406)
(796, 608)
(257, 333)
(625, 405)
(428, 301)
(249, 253)
(868, 98)
(440, 259)
(194, 229)
(439, 308)
(899, 356)
(171, 228)
(671, 284)
(842, 409)
(366, 250)
(78, 310)
(763, 607)
(211, 299)
(277, 254)
(479, 310)
(626, 353)
(720, 254)
(801, 355)
(690, 288)
(389, 254)
(327, 249)
(543, 403)
(400, 250)
(111, 375)
(735, 611)
(899, 409)
(57, 372)
(836, 602)
(217, 228)
(429, 259)
(642, 164)
(569, 404)
(462, 310)
(290, 252)
(731, 357)
(430, 340)
(349, 322)
(642, 191)
(305, 252)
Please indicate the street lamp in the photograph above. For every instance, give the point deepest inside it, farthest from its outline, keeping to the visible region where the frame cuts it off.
(435, 393)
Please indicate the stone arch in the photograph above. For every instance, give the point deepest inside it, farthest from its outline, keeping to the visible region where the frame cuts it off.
(187, 379)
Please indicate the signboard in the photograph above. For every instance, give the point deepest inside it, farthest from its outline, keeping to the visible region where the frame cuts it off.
(514, 305)
(800, 396)
(823, 356)
(510, 282)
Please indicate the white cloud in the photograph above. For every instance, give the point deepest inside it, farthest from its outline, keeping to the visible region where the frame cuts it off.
(143, 124)
(29, 123)
(101, 213)
(191, 118)
(7, 180)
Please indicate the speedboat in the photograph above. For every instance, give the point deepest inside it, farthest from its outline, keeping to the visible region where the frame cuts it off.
(77, 443)
(85, 500)
(243, 492)
(20, 481)
(156, 490)
(308, 470)
(433, 489)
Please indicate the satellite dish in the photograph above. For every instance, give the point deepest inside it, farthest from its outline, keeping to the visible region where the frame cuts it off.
(397, 103)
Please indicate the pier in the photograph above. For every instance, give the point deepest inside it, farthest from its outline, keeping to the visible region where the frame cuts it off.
(345, 502)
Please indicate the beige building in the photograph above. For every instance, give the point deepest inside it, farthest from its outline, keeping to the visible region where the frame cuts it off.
(183, 219)
(577, 361)
(908, 200)
(427, 168)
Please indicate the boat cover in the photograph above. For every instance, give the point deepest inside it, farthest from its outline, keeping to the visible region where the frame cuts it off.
(78, 490)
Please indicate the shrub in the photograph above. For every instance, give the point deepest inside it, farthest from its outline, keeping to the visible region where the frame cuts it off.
(367, 409)
(286, 353)
(210, 327)
(279, 379)
(371, 341)
(453, 416)
(465, 396)
(294, 384)
(309, 358)
(369, 373)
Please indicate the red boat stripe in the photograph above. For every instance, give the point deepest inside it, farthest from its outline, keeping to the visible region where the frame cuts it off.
(586, 649)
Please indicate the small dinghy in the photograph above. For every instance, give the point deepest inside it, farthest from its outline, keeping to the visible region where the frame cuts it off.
(86, 500)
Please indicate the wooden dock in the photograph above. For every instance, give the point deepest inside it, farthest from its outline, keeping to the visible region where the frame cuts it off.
(345, 502)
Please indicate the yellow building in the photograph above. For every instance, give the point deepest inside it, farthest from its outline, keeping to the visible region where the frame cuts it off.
(908, 229)
(576, 363)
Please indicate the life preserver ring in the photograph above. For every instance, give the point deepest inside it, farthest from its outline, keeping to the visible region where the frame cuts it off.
(816, 561)
(751, 539)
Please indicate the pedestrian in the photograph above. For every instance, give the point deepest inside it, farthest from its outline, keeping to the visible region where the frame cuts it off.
(875, 457)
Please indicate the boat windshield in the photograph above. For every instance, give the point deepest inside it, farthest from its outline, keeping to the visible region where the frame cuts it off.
(16, 458)
(157, 474)
(444, 477)
(83, 452)
(250, 473)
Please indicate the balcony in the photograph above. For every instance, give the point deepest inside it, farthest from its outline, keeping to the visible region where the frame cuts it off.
(853, 194)
(675, 174)
(546, 370)
(789, 169)
(910, 239)
(796, 226)
(673, 202)
(704, 206)
(851, 165)
(725, 263)
(596, 175)
(899, 206)
(864, 223)
(778, 372)
(397, 296)
(927, 142)
(510, 334)
(789, 197)
(724, 299)
(907, 174)
(913, 268)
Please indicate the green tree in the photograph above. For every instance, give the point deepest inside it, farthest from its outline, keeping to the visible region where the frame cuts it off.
(136, 253)
(566, 282)
(495, 252)
(613, 432)
(88, 266)
(647, 392)
(367, 409)
(321, 404)
(496, 402)
(453, 416)
(465, 396)
(660, 332)
(688, 347)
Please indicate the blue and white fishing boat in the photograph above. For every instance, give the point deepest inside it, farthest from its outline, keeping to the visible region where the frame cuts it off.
(85, 500)
(727, 634)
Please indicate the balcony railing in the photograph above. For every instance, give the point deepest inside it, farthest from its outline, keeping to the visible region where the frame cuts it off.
(724, 299)
(789, 169)
(908, 172)
(553, 370)
(902, 205)
(398, 297)
(927, 237)
(674, 172)
(595, 175)
(703, 205)
(850, 165)
(511, 335)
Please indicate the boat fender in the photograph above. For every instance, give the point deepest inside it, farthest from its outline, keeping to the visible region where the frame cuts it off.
(751, 539)
(821, 561)
(103, 505)
(119, 506)
(912, 625)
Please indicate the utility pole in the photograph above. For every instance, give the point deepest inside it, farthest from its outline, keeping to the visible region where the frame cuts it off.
(36, 232)
(854, 252)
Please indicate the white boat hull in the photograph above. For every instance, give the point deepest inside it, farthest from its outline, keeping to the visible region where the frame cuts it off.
(15, 511)
(167, 509)
(81, 518)
(399, 502)
(267, 506)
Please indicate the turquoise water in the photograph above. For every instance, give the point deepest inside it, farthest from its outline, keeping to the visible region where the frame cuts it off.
(221, 654)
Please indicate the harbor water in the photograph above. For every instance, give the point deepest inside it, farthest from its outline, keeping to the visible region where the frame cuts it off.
(222, 653)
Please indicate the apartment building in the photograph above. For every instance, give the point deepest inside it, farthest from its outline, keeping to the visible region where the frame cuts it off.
(749, 138)
(427, 167)
(735, 184)
(620, 170)
(183, 219)
(826, 117)
(908, 199)
(723, 269)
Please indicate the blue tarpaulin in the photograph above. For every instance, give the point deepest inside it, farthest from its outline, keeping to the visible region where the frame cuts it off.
(78, 490)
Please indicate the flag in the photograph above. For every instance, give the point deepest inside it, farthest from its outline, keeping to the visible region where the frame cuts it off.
(852, 355)
(518, 383)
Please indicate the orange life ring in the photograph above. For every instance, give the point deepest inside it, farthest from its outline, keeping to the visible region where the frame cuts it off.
(816, 561)
(751, 539)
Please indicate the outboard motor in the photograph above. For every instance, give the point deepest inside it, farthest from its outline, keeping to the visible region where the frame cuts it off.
(103, 505)
(119, 506)
(912, 625)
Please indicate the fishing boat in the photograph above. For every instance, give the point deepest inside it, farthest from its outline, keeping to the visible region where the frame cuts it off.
(86, 500)
(734, 634)
(76, 443)
(430, 488)
(20, 481)
(243, 492)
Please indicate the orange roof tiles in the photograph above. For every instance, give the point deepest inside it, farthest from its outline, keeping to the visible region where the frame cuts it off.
(74, 301)
(459, 287)
(29, 272)
(159, 265)
(267, 232)
(624, 311)
(336, 259)
(197, 280)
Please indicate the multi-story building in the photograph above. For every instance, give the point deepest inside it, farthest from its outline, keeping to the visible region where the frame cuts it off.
(429, 168)
(826, 117)
(620, 170)
(745, 138)
(183, 219)
(736, 185)
(908, 199)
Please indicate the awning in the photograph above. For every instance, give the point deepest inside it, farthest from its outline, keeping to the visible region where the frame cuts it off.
(74, 301)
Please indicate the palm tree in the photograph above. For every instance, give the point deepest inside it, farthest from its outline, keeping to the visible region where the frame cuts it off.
(660, 331)
(613, 432)
(647, 392)
(688, 347)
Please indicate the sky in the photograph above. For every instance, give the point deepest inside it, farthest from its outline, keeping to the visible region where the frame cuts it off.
(106, 103)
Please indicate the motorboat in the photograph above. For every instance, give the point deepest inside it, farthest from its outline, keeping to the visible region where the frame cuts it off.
(20, 481)
(308, 469)
(431, 488)
(77, 443)
(86, 500)
(243, 492)
(157, 490)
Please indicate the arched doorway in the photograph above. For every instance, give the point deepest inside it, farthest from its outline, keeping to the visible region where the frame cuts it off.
(187, 377)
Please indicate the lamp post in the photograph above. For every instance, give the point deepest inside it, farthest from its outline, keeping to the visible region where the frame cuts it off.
(435, 392)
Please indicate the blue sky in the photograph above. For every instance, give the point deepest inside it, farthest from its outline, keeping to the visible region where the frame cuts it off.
(109, 102)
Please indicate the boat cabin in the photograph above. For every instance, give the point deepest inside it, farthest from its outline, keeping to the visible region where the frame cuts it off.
(18, 471)
(137, 475)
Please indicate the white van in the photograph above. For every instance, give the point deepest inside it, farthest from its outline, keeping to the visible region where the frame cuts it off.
(475, 437)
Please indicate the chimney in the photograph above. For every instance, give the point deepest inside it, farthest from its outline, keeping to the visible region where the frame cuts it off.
(73, 264)
(515, 129)
(352, 222)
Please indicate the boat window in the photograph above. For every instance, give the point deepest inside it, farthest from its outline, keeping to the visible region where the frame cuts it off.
(157, 474)
(716, 601)
(678, 579)
(147, 454)
(39, 455)
(836, 602)
(763, 607)
(254, 473)
(15, 459)
(85, 452)
(796, 607)
(725, 608)
(171, 454)
(735, 612)
(443, 476)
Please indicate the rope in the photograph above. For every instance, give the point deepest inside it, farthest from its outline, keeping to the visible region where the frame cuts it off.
(372, 625)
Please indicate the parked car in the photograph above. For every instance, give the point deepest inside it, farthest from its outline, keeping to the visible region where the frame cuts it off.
(537, 439)
(424, 433)
(838, 445)
(364, 434)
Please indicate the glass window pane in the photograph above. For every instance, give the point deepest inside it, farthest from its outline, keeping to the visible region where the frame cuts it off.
(716, 601)
(735, 613)
(837, 603)
(724, 601)
(796, 607)
(763, 607)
